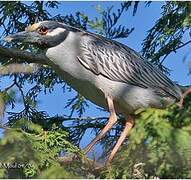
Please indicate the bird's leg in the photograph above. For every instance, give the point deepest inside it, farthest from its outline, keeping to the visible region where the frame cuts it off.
(112, 120)
(180, 103)
(128, 126)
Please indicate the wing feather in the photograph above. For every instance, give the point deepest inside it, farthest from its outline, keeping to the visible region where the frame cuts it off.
(117, 62)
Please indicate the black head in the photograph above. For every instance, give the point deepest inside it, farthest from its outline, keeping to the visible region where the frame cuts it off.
(45, 33)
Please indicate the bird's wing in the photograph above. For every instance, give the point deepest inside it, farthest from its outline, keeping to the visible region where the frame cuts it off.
(119, 63)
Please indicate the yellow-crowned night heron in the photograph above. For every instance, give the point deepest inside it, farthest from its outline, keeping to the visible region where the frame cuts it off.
(106, 72)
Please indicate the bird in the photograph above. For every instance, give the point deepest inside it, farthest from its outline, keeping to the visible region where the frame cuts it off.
(106, 72)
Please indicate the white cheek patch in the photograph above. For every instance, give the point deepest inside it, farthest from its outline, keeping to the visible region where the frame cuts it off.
(56, 31)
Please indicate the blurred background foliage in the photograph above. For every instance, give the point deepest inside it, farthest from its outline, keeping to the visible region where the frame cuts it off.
(158, 146)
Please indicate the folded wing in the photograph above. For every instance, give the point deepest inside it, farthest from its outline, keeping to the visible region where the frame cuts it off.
(119, 63)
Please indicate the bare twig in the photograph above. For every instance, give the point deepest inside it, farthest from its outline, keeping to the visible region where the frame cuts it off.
(9, 87)
(84, 118)
(23, 56)
(163, 59)
(22, 93)
(68, 159)
(174, 50)
(18, 68)
(180, 103)
(2, 107)
(184, 44)
(4, 127)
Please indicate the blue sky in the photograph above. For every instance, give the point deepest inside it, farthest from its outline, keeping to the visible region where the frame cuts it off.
(145, 18)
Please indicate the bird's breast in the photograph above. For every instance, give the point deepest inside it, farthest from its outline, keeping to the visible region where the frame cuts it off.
(127, 98)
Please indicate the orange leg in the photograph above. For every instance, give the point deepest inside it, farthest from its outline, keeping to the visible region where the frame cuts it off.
(128, 126)
(180, 103)
(112, 120)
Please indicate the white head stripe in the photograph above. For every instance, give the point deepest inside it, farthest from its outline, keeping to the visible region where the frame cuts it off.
(56, 31)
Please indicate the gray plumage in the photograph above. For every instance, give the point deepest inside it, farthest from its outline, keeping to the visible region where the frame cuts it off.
(119, 63)
(98, 67)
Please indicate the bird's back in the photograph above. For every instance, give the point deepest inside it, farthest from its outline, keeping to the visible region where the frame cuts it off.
(120, 63)
(96, 67)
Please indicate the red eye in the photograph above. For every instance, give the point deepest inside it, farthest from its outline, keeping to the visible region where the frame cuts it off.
(43, 30)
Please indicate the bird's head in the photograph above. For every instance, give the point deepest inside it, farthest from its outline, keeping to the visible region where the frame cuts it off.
(45, 33)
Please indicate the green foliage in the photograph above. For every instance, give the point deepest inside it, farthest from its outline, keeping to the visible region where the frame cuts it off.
(57, 172)
(158, 146)
(169, 33)
(110, 21)
(78, 104)
(33, 150)
(32, 144)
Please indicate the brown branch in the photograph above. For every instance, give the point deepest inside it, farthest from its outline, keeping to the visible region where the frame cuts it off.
(84, 118)
(180, 103)
(2, 107)
(18, 68)
(23, 56)
(90, 164)
(4, 127)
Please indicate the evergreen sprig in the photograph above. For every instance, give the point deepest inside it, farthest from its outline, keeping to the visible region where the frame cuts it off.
(159, 145)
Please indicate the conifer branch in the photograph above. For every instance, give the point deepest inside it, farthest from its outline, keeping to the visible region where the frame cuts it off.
(23, 56)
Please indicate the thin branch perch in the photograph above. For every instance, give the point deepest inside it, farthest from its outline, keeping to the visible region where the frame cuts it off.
(18, 68)
(23, 56)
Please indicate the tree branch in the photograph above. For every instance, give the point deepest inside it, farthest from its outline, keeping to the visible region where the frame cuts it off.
(180, 103)
(87, 162)
(23, 56)
(84, 118)
(4, 127)
(18, 68)
(184, 44)
(174, 50)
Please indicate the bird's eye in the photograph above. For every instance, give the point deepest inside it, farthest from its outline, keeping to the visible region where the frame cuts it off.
(43, 30)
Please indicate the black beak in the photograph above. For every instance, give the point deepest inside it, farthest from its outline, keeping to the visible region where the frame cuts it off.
(18, 37)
